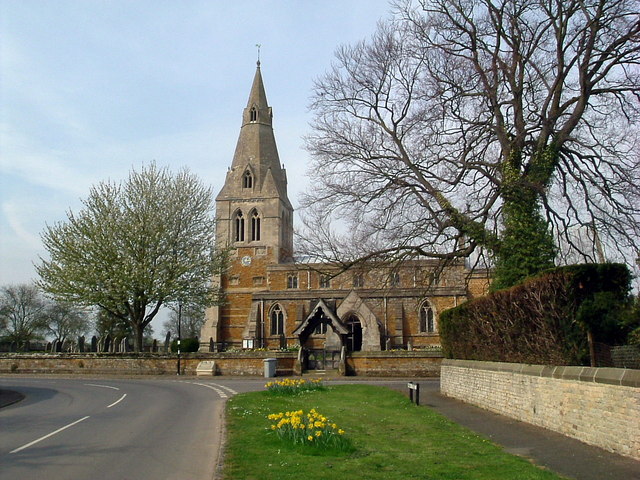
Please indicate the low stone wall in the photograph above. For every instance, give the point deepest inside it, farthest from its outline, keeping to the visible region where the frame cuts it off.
(241, 363)
(394, 364)
(599, 406)
(374, 364)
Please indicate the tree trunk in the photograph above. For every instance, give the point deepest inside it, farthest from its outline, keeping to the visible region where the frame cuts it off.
(138, 331)
(527, 246)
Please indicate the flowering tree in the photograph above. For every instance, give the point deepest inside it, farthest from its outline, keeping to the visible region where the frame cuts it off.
(135, 247)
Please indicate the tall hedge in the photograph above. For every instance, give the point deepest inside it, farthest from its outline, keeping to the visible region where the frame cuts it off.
(544, 320)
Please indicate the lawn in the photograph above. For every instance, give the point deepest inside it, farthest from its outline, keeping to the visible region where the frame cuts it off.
(391, 438)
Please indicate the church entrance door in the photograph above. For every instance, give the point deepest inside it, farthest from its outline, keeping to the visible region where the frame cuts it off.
(354, 337)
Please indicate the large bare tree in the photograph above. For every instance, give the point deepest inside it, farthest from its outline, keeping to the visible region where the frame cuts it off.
(135, 247)
(466, 125)
(23, 313)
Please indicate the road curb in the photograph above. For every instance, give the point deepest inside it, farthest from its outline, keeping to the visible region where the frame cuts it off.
(9, 397)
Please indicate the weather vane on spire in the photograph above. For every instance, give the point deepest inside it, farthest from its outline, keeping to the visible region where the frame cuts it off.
(258, 47)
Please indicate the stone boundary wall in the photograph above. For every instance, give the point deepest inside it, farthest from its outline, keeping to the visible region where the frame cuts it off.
(394, 364)
(237, 364)
(380, 364)
(599, 406)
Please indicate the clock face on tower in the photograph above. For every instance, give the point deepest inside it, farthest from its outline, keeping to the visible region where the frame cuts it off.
(246, 260)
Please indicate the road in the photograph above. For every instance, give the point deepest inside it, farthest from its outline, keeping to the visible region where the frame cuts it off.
(114, 428)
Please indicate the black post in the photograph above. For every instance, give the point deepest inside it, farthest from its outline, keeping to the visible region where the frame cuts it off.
(179, 333)
(414, 398)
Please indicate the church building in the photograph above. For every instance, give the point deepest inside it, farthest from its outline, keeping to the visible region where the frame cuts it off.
(273, 300)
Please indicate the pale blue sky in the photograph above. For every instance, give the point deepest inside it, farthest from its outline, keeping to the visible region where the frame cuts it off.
(90, 89)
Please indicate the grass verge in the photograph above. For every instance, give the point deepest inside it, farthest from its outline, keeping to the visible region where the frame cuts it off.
(392, 439)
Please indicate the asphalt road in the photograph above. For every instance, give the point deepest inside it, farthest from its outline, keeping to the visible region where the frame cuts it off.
(115, 429)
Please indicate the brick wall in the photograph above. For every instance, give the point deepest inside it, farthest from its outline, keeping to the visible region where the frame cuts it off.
(599, 406)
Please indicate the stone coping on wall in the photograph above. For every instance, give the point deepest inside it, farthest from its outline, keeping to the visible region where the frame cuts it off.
(145, 355)
(612, 376)
(434, 353)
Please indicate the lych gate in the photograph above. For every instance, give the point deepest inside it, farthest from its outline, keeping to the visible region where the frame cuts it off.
(322, 319)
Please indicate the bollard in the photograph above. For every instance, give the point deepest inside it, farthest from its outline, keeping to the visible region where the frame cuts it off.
(414, 387)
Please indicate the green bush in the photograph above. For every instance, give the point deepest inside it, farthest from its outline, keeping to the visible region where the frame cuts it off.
(186, 345)
(545, 319)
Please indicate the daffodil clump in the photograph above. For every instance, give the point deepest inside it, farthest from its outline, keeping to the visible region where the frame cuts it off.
(293, 386)
(310, 429)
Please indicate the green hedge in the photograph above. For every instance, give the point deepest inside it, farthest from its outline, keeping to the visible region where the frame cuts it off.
(186, 345)
(544, 320)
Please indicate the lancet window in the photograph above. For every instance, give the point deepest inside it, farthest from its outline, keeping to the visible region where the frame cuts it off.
(238, 227)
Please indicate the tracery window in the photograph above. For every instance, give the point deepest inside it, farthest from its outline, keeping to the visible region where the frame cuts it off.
(427, 319)
(247, 179)
(255, 226)
(321, 329)
(292, 281)
(325, 281)
(238, 227)
(277, 320)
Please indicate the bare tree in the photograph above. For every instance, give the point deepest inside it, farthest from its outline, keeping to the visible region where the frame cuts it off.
(479, 124)
(22, 311)
(66, 321)
(135, 247)
(191, 320)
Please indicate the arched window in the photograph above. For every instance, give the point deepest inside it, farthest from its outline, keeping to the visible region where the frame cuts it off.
(325, 281)
(395, 279)
(277, 320)
(255, 226)
(238, 227)
(253, 114)
(427, 319)
(247, 179)
(292, 280)
(358, 280)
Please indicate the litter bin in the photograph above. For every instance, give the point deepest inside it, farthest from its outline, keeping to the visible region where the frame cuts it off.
(270, 367)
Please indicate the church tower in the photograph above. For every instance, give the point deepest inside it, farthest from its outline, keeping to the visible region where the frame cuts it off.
(254, 220)
(254, 214)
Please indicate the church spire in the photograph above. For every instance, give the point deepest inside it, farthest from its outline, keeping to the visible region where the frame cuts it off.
(257, 102)
(256, 153)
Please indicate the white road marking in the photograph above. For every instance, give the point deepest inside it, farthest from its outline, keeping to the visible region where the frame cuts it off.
(103, 386)
(48, 435)
(117, 401)
(230, 390)
(218, 391)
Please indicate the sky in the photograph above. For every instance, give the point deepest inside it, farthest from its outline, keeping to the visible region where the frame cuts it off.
(91, 89)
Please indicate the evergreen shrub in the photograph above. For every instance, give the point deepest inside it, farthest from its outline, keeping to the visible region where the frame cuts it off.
(186, 345)
(543, 320)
